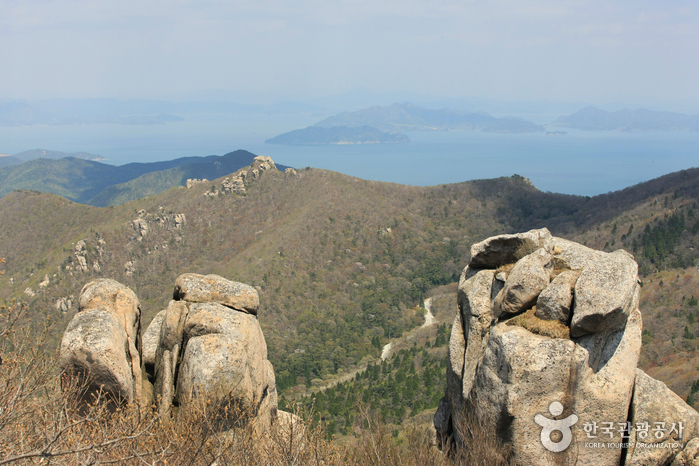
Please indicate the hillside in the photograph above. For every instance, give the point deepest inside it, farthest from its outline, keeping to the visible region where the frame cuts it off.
(594, 119)
(92, 182)
(409, 117)
(341, 263)
(316, 135)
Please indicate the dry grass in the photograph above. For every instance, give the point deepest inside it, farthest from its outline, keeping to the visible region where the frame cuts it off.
(507, 268)
(547, 328)
(38, 424)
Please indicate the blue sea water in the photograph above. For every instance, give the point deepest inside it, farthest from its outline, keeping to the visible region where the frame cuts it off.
(582, 162)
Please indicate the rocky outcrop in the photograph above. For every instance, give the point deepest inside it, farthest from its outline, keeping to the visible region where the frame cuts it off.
(211, 344)
(192, 182)
(236, 183)
(102, 343)
(207, 343)
(577, 400)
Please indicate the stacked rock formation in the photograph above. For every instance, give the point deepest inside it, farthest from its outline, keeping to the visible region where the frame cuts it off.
(102, 343)
(207, 343)
(548, 333)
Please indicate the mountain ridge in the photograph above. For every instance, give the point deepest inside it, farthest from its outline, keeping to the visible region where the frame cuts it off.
(593, 119)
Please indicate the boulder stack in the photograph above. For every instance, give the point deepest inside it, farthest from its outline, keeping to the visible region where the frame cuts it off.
(207, 343)
(210, 344)
(543, 352)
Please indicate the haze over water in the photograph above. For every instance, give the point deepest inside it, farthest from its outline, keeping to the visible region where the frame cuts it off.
(582, 162)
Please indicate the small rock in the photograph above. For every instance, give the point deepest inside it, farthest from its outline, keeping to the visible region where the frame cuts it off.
(555, 302)
(527, 279)
(151, 339)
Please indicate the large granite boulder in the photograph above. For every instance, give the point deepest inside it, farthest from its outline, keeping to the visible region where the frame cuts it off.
(605, 294)
(101, 344)
(556, 400)
(195, 288)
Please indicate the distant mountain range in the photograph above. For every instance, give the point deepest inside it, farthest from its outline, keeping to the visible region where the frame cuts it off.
(131, 112)
(594, 119)
(7, 160)
(99, 184)
(316, 135)
(409, 117)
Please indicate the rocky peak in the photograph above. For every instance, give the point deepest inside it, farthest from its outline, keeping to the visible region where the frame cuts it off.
(547, 338)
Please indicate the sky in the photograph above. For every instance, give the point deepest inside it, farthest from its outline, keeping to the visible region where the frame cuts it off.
(562, 50)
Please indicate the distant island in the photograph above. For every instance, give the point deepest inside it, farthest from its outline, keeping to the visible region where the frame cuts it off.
(594, 119)
(318, 135)
(409, 117)
(556, 133)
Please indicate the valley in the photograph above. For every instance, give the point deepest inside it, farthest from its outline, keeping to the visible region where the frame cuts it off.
(343, 266)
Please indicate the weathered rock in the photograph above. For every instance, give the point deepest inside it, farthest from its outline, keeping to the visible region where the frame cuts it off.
(473, 297)
(233, 185)
(223, 355)
(524, 380)
(64, 303)
(168, 352)
(82, 263)
(689, 456)
(94, 348)
(527, 279)
(606, 370)
(195, 288)
(604, 294)
(556, 301)
(571, 255)
(654, 403)
(180, 220)
(508, 249)
(118, 298)
(521, 374)
(151, 339)
(453, 395)
(290, 431)
(98, 338)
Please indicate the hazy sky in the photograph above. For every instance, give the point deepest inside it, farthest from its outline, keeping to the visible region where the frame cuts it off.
(500, 49)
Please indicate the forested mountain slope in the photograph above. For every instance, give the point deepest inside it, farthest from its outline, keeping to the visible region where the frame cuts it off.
(340, 263)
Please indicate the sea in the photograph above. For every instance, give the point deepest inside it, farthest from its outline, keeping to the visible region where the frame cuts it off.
(581, 162)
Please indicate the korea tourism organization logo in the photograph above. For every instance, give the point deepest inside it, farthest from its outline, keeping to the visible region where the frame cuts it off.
(550, 425)
(601, 434)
